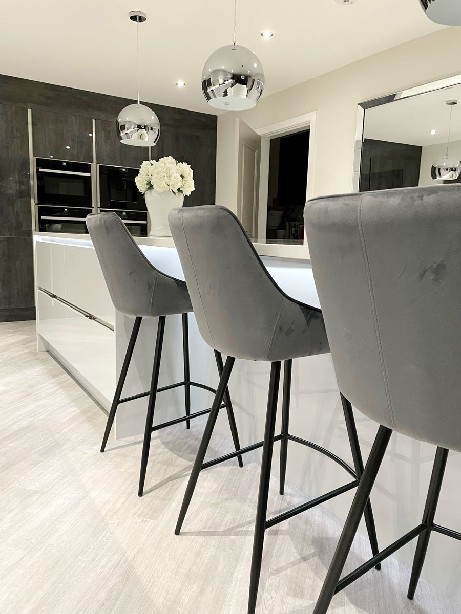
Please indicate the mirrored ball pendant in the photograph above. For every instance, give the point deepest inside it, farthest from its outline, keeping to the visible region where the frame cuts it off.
(446, 169)
(138, 125)
(233, 78)
(444, 12)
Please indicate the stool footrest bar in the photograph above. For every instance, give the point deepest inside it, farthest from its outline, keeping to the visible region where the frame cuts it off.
(444, 531)
(204, 387)
(310, 504)
(146, 394)
(221, 459)
(357, 573)
(157, 427)
(324, 451)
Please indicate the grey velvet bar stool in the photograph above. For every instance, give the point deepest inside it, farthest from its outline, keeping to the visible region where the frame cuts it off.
(388, 271)
(242, 313)
(140, 290)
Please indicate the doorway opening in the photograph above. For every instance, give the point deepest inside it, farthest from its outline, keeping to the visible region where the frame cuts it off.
(287, 182)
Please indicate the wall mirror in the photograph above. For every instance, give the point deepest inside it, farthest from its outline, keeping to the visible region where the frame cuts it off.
(410, 138)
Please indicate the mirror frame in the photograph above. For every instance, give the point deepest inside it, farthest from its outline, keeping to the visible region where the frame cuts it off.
(417, 90)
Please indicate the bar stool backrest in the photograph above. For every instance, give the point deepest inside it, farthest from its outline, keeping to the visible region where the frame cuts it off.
(136, 287)
(387, 265)
(240, 310)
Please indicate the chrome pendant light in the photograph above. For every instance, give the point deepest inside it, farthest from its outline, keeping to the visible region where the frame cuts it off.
(447, 168)
(233, 78)
(445, 12)
(137, 124)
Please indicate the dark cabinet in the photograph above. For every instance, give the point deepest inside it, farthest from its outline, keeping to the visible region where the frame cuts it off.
(16, 261)
(61, 136)
(386, 165)
(110, 151)
(198, 150)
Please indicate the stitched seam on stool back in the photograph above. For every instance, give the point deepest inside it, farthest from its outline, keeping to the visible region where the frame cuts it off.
(196, 280)
(375, 314)
(272, 337)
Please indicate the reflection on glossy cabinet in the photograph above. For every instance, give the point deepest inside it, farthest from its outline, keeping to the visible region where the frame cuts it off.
(64, 137)
(110, 151)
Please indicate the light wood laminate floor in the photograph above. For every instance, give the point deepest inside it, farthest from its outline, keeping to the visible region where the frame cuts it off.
(76, 539)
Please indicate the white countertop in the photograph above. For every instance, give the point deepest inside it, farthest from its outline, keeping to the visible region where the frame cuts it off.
(292, 252)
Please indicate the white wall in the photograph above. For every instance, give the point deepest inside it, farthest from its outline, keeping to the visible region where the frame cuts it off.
(335, 97)
(431, 154)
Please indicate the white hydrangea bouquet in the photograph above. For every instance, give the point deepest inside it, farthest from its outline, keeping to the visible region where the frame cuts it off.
(164, 184)
(166, 175)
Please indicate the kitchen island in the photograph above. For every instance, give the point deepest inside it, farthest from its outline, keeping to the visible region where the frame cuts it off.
(78, 326)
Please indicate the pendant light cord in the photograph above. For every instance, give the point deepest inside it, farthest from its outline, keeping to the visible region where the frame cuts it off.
(137, 56)
(235, 23)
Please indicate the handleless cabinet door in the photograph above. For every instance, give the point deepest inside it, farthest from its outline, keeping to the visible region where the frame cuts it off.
(16, 256)
(110, 151)
(60, 136)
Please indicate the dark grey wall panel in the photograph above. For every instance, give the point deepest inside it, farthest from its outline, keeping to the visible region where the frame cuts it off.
(16, 273)
(16, 259)
(62, 136)
(198, 150)
(109, 150)
(15, 206)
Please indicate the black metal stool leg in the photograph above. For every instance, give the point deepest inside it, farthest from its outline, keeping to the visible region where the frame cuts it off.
(258, 545)
(229, 409)
(358, 464)
(151, 406)
(285, 423)
(121, 381)
(185, 350)
(435, 485)
(353, 519)
(212, 417)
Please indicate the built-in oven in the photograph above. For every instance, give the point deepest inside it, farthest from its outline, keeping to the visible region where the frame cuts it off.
(63, 183)
(118, 192)
(58, 218)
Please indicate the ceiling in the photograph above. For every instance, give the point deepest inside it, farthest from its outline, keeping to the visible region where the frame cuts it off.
(411, 120)
(90, 44)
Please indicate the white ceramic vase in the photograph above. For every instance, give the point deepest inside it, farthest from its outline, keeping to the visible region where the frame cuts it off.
(159, 204)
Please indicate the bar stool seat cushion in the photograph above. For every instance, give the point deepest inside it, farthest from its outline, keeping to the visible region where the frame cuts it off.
(136, 287)
(240, 310)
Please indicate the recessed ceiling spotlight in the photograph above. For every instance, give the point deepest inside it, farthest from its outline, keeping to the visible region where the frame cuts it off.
(267, 34)
(180, 83)
(346, 1)
(433, 131)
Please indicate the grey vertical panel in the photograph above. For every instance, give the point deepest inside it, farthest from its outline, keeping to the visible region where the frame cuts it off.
(62, 136)
(15, 212)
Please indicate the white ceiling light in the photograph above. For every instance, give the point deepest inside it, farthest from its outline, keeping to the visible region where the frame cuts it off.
(446, 168)
(445, 12)
(233, 78)
(346, 1)
(433, 131)
(137, 124)
(266, 34)
(180, 83)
